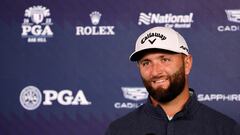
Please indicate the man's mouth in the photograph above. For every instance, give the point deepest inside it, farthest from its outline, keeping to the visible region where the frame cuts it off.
(159, 80)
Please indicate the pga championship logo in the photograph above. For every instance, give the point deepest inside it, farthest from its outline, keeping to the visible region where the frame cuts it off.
(36, 26)
(135, 95)
(95, 17)
(31, 98)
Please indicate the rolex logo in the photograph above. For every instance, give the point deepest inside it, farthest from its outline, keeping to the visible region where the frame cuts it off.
(95, 17)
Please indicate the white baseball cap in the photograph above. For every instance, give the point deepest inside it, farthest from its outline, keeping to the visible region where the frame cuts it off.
(163, 38)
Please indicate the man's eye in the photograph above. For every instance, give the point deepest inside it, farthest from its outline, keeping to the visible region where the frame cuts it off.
(165, 59)
(145, 63)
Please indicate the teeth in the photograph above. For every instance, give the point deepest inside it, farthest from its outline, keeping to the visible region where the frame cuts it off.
(159, 81)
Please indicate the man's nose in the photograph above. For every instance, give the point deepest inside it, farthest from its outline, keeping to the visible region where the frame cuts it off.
(157, 69)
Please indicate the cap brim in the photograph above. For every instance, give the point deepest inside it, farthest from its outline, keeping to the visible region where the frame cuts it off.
(135, 56)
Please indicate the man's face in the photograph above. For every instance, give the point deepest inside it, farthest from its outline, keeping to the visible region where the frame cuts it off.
(163, 74)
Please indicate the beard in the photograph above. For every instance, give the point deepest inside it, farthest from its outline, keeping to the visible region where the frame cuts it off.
(176, 86)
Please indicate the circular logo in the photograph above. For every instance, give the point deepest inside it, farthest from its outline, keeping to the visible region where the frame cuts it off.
(30, 98)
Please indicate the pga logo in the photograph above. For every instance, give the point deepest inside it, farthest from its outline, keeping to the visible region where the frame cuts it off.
(65, 97)
(37, 30)
(31, 98)
(36, 26)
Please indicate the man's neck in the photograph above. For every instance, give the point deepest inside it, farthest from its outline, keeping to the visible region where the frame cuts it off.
(174, 106)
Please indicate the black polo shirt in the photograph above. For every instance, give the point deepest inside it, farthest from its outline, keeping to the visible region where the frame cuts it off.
(194, 119)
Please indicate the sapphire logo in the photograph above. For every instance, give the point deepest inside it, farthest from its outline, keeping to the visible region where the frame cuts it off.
(233, 15)
(168, 20)
(95, 17)
(135, 93)
(219, 97)
(36, 24)
(30, 98)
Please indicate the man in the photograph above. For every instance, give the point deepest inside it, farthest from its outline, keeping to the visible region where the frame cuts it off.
(164, 63)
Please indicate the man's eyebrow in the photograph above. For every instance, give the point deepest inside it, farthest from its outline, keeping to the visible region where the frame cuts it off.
(142, 60)
(147, 59)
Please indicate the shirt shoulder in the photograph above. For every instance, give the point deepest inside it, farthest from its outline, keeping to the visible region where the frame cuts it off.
(211, 115)
(127, 121)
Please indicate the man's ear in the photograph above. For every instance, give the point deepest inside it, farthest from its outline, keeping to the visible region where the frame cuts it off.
(188, 64)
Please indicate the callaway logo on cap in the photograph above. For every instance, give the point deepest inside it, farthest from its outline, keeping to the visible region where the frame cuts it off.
(163, 38)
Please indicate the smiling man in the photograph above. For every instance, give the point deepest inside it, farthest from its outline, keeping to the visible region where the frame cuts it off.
(164, 63)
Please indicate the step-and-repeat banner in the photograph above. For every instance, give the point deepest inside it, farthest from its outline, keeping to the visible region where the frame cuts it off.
(64, 67)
